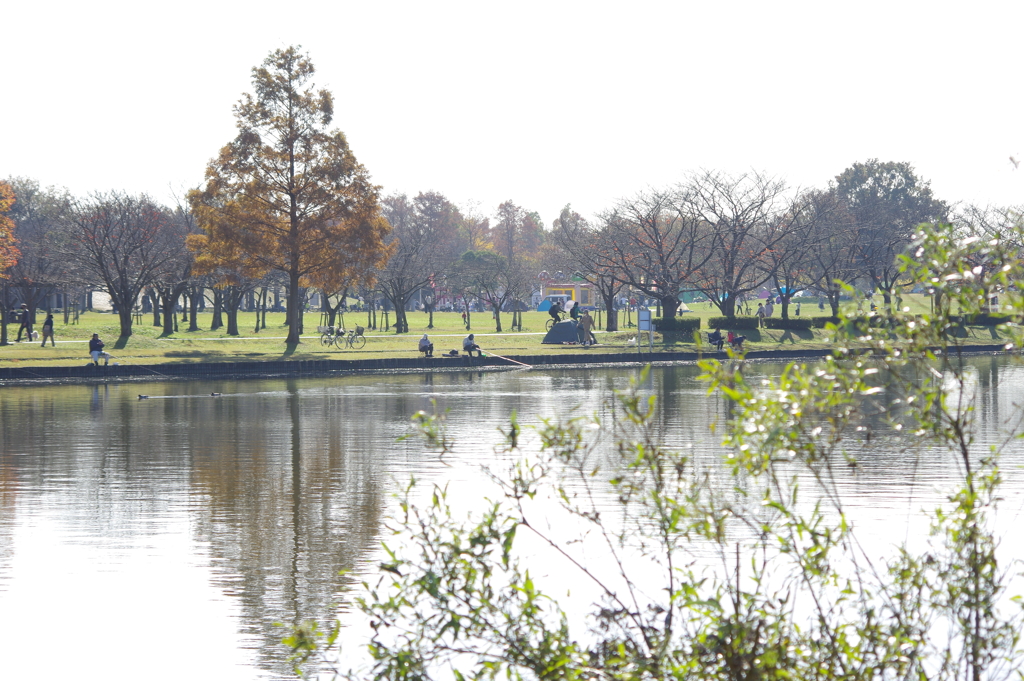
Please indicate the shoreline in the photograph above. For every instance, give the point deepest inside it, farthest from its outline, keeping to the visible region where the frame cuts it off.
(129, 373)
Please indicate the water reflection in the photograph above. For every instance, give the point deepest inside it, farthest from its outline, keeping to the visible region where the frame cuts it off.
(267, 491)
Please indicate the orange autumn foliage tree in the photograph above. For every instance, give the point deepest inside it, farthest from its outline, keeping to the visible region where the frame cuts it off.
(287, 193)
(8, 250)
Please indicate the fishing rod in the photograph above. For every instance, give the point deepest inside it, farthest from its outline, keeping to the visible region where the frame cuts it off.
(491, 354)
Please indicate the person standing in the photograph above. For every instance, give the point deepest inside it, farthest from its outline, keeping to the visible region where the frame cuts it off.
(769, 308)
(760, 315)
(48, 331)
(96, 351)
(588, 324)
(26, 323)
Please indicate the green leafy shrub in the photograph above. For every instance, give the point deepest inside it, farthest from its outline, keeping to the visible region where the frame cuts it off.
(796, 324)
(821, 322)
(674, 324)
(733, 323)
(796, 595)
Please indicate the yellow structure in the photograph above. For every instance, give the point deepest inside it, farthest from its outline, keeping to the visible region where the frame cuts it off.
(580, 291)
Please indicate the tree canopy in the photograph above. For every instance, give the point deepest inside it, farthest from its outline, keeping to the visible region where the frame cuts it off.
(287, 193)
(8, 250)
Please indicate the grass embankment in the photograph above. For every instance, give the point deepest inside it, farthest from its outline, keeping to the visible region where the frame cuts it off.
(147, 345)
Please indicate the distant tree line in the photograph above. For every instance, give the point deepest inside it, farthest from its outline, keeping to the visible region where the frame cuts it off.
(286, 206)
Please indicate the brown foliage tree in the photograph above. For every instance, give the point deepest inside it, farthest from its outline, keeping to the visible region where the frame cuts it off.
(8, 251)
(287, 193)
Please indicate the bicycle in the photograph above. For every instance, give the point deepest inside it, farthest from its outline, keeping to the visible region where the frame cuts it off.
(328, 335)
(354, 339)
(551, 322)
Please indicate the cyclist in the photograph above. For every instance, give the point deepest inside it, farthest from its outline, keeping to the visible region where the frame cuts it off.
(556, 311)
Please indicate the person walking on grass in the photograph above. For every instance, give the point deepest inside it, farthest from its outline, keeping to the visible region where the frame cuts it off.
(26, 323)
(588, 324)
(48, 332)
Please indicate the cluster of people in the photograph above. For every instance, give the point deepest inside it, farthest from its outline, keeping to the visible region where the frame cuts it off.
(469, 346)
(27, 319)
(735, 341)
(583, 320)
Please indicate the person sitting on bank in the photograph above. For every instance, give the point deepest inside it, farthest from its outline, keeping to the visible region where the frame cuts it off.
(736, 341)
(96, 351)
(426, 347)
(716, 339)
(469, 345)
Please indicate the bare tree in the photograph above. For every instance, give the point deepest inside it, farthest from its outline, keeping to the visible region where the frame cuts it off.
(175, 273)
(121, 243)
(648, 244)
(424, 237)
(743, 220)
(585, 246)
(830, 244)
(39, 227)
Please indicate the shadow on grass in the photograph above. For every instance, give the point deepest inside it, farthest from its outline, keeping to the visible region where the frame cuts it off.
(121, 343)
(289, 350)
(791, 336)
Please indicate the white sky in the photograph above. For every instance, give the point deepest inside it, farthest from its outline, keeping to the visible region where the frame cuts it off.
(544, 103)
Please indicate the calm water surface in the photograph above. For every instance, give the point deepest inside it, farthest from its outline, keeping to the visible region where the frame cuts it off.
(170, 534)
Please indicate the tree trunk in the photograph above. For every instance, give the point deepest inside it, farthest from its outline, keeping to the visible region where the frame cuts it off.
(3, 315)
(497, 317)
(218, 305)
(293, 301)
(154, 299)
(167, 304)
(193, 308)
(401, 321)
(612, 318)
(785, 307)
(124, 313)
(833, 302)
(263, 308)
(233, 297)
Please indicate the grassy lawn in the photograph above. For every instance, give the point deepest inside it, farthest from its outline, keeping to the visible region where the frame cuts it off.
(147, 345)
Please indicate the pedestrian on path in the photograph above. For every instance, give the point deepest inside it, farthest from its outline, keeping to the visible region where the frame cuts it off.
(48, 331)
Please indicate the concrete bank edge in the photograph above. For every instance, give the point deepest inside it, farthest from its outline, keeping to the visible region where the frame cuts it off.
(326, 367)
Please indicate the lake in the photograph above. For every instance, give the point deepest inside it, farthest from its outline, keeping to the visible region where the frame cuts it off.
(170, 534)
